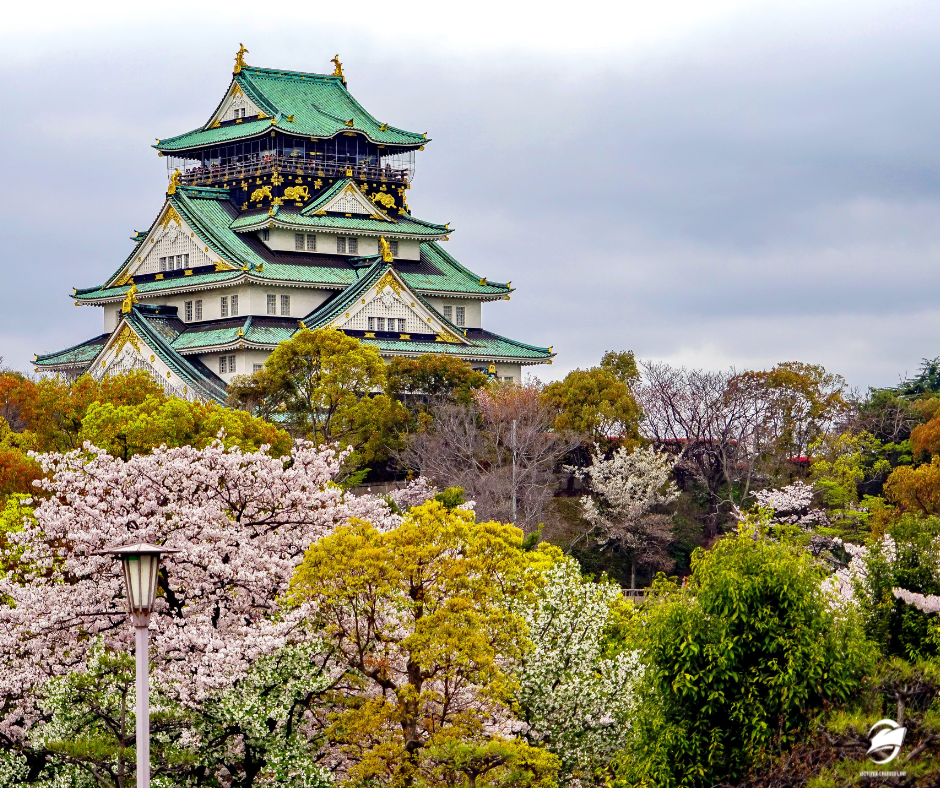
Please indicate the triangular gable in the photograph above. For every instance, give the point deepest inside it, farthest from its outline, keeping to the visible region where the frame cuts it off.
(350, 200)
(388, 298)
(170, 245)
(130, 349)
(235, 106)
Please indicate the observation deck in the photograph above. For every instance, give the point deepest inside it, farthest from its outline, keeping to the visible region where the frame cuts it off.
(219, 173)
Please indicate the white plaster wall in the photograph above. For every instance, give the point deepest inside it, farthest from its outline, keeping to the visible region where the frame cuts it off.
(473, 307)
(252, 300)
(281, 240)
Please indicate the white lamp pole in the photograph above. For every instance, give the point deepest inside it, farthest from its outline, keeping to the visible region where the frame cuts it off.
(141, 562)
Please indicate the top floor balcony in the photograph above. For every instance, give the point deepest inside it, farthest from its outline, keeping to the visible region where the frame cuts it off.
(217, 173)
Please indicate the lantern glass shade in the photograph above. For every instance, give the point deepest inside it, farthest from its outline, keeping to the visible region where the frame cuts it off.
(140, 576)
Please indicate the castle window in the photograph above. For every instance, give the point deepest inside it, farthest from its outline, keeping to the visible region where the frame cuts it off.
(298, 242)
(311, 243)
(226, 364)
(224, 306)
(393, 247)
(234, 305)
(257, 367)
(353, 245)
(380, 324)
(163, 264)
(449, 313)
(461, 316)
(117, 316)
(508, 379)
(371, 323)
(185, 258)
(199, 309)
(189, 311)
(272, 304)
(340, 245)
(265, 235)
(285, 304)
(401, 324)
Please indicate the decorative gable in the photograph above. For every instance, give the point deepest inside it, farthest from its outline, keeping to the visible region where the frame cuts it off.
(390, 299)
(351, 200)
(126, 351)
(235, 106)
(170, 245)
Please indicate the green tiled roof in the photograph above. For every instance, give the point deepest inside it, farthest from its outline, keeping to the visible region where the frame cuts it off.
(154, 288)
(81, 354)
(320, 104)
(452, 276)
(392, 229)
(485, 345)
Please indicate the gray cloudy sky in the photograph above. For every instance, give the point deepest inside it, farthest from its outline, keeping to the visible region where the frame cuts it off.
(709, 183)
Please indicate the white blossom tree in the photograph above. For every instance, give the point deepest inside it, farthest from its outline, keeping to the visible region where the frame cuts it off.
(574, 700)
(627, 487)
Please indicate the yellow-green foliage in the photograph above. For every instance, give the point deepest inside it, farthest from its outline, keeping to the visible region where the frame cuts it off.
(419, 614)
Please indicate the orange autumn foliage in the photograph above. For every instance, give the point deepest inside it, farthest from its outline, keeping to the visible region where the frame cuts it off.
(916, 489)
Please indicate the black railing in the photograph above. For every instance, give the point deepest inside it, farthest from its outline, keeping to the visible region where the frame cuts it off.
(217, 174)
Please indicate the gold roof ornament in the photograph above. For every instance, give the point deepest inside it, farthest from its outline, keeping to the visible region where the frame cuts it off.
(174, 182)
(240, 59)
(129, 300)
(338, 70)
(386, 250)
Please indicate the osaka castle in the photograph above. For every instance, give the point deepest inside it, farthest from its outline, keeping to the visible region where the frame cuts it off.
(286, 210)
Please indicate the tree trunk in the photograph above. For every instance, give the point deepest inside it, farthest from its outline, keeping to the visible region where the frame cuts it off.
(633, 573)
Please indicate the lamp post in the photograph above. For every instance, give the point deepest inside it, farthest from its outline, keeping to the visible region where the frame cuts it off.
(141, 562)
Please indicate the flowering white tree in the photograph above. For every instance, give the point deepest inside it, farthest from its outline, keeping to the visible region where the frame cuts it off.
(241, 520)
(792, 505)
(628, 486)
(575, 701)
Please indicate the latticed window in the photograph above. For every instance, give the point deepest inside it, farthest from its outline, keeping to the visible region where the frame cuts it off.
(199, 309)
(353, 245)
(234, 301)
(340, 245)
(311, 243)
(265, 235)
(461, 316)
(257, 367)
(189, 311)
(449, 313)
(285, 304)
(224, 306)
(272, 304)
(298, 242)
(393, 247)
(226, 364)
(163, 264)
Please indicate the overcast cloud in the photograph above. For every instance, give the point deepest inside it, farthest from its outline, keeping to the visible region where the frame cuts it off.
(712, 184)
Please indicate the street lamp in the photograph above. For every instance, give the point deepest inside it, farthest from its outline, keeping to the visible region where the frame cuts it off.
(141, 562)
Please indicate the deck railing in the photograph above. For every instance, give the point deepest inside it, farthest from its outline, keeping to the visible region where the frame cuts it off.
(217, 174)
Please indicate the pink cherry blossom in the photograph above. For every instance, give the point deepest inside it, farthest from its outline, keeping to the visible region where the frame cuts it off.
(241, 520)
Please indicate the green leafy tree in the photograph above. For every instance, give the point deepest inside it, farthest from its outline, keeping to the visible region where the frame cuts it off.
(597, 403)
(323, 386)
(418, 617)
(433, 376)
(738, 662)
(126, 430)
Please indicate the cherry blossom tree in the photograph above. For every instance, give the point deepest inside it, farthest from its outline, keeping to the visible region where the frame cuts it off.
(628, 486)
(241, 521)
